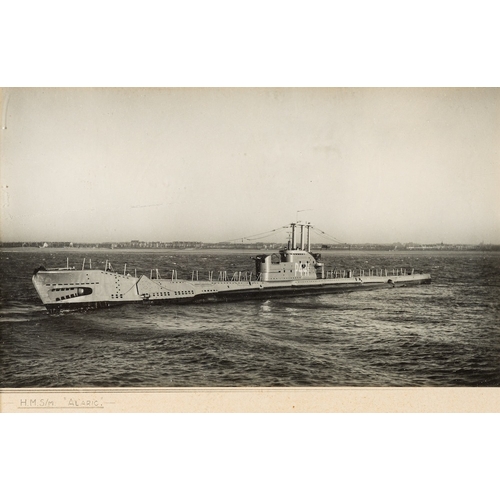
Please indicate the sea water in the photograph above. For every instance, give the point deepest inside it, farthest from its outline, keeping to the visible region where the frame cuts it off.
(442, 335)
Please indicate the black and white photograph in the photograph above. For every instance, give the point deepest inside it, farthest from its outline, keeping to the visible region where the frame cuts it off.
(249, 250)
(250, 237)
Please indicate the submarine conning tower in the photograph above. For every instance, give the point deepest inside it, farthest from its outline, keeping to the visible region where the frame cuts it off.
(296, 262)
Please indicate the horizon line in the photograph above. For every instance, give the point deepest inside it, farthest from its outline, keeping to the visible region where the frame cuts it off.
(139, 243)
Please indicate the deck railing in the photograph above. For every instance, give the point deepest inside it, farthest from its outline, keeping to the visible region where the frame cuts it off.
(245, 276)
(361, 273)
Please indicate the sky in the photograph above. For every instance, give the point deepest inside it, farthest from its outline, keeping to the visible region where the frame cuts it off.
(377, 165)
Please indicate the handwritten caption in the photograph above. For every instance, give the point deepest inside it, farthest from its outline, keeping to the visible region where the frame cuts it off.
(69, 403)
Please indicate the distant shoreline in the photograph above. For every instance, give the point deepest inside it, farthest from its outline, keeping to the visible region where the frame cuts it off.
(209, 251)
(127, 250)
